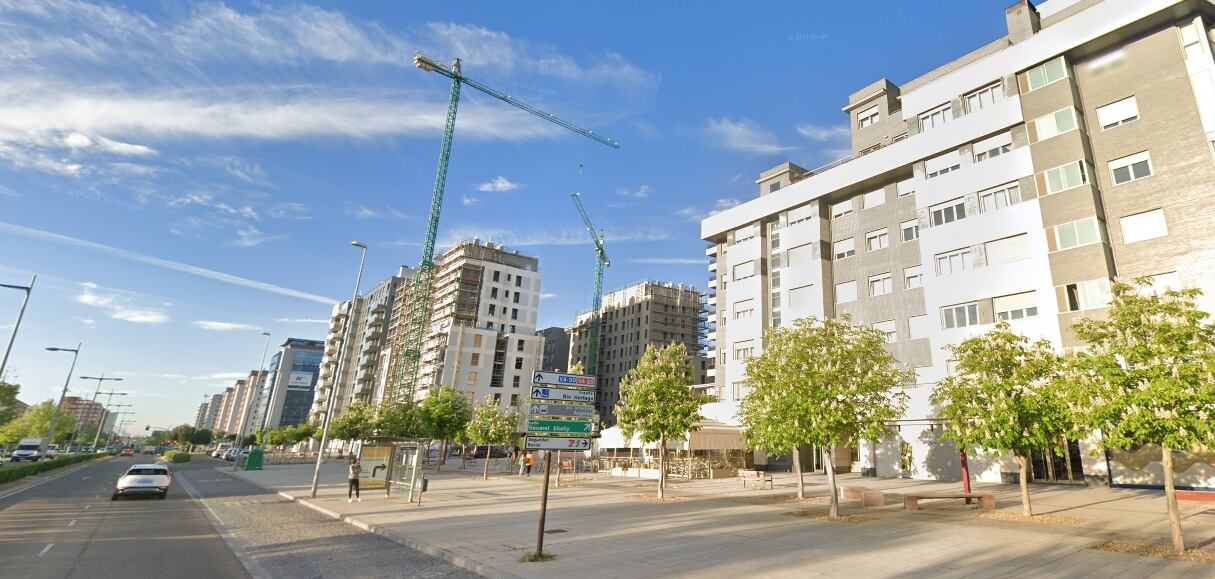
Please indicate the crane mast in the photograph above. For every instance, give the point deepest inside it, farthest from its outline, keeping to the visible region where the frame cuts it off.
(601, 261)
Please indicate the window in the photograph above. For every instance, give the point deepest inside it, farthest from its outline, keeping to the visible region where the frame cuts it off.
(845, 292)
(472, 378)
(775, 260)
(1106, 62)
(744, 270)
(873, 198)
(906, 187)
(1016, 307)
(992, 147)
(774, 279)
(913, 277)
(1162, 282)
(880, 285)
(844, 248)
(497, 275)
(984, 97)
(514, 383)
(514, 398)
(492, 309)
(1087, 295)
(743, 350)
(489, 325)
(1056, 123)
(477, 340)
(744, 309)
(867, 117)
(801, 298)
(774, 240)
(476, 359)
(744, 233)
(1131, 168)
(775, 301)
(1118, 113)
(1002, 196)
(917, 327)
(887, 327)
(518, 281)
(1046, 73)
(955, 261)
(493, 293)
(875, 240)
(936, 117)
(948, 212)
(776, 318)
(1007, 250)
(1142, 226)
(518, 363)
(803, 213)
(514, 313)
(960, 316)
(519, 346)
(801, 255)
(1065, 177)
(773, 187)
(1077, 233)
(911, 230)
(942, 164)
(841, 209)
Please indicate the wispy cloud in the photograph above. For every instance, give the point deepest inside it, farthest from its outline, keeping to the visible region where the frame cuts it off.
(215, 326)
(693, 213)
(815, 132)
(498, 184)
(302, 320)
(547, 236)
(360, 212)
(547, 296)
(118, 306)
(639, 192)
(668, 261)
(469, 200)
(49, 237)
(744, 136)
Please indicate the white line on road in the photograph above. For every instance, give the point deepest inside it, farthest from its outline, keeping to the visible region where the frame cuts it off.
(45, 549)
(73, 523)
(85, 477)
(87, 507)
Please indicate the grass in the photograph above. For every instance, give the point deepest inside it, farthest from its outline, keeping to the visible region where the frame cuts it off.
(533, 557)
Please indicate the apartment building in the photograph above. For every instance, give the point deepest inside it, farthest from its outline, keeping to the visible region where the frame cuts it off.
(224, 413)
(1015, 183)
(245, 413)
(200, 416)
(646, 313)
(86, 412)
(290, 389)
(556, 354)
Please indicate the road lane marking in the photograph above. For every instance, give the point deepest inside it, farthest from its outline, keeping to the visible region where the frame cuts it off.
(87, 507)
(85, 477)
(45, 549)
(56, 477)
(73, 523)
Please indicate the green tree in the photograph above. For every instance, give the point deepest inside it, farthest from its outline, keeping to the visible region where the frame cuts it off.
(357, 422)
(577, 368)
(443, 416)
(8, 402)
(1147, 378)
(1003, 397)
(824, 382)
(181, 433)
(201, 437)
(491, 426)
(35, 422)
(398, 419)
(657, 401)
(299, 433)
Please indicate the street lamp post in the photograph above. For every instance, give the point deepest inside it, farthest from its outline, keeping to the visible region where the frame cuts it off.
(104, 412)
(97, 392)
(28, 289)
(55, 416)
(244, 417)
(118, 426)
(337, 371)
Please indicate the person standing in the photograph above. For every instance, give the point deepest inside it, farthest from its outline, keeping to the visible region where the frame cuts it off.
(527, 468)
(521, 460)
(352, 480)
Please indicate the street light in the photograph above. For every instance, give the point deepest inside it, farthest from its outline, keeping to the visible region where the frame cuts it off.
(104, 412)
(244, 417)
(99, 380)
(55, 417)
(337, 371)
(28, 289)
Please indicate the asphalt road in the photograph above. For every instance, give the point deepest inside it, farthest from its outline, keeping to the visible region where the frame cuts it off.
(69, 527)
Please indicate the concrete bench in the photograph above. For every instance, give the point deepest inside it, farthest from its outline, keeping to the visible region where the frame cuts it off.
(867, 497)
(987, 501)
(755, 477)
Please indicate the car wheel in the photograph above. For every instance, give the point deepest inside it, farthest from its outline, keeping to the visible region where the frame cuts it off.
(114, 497)
(164, 494)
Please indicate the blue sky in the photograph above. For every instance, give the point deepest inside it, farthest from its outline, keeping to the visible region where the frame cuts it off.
(182, 175)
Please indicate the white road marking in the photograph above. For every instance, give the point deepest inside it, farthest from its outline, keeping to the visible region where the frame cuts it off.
(73, 523)
(85, 477)
(87, 507)
(45, 549)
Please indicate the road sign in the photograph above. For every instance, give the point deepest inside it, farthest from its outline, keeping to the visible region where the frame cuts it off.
(563, 394)
(564, 380)
(571, 410)
(556, 443)
(539, 426)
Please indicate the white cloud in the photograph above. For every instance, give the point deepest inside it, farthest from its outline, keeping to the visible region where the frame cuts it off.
(289, 211)
(823, 133)
(544, 236)
(225, 326)
(640, 192)
(360, 212)
(118, 306)
(498, 184)
(669, 261)
(547, 296)
(302, 320)
(469, 200)
(744, 136)
(250, 236)
(719, 205)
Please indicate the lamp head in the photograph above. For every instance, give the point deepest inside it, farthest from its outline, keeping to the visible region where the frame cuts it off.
(359, 244)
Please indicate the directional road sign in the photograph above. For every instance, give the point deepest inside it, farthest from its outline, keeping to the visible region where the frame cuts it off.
(562, 394)
(564, 380)
(540, 426)
(571, 410)
(556, 443)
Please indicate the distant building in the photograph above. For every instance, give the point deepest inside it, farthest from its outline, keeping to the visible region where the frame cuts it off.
(208, 421)
(86, 412)
(556, 354)
(200, 417)
(292, 383)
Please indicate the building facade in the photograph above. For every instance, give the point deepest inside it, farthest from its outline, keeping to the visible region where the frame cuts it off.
(556, 354)
(293, 373)
(213, 406)
(1015, 183)
(86, 412)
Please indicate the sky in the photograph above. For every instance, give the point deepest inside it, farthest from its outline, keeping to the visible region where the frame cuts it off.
(182, 176)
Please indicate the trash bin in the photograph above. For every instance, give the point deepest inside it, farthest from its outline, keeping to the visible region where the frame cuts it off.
(254, 460)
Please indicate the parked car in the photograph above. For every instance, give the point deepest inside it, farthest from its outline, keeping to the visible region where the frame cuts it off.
(52, 450)
(128, 451)
(230, 454)
(144, 479)
(27, 449)
(220, 449)
(494, 452)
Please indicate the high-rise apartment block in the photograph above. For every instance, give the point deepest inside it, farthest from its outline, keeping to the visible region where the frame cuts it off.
(1015, 183)
(556, 354)
(288, 396)
(86, 412)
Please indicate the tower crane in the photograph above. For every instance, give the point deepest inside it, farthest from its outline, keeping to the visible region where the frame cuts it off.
(601, 261)
(418, 307)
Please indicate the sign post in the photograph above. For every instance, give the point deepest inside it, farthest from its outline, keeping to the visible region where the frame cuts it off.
(560, 417)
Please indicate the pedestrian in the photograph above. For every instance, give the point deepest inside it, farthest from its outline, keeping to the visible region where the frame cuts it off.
(528, 467)
(352, 480)
(521, 460)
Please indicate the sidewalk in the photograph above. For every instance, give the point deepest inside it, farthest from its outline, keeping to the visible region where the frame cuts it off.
(599, 528)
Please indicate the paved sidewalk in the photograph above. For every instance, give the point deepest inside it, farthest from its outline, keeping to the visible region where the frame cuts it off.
(599, 528)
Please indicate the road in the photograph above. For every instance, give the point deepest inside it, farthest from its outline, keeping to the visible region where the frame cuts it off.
(69, 527)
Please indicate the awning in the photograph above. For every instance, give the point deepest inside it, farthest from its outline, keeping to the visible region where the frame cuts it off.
(714, 435)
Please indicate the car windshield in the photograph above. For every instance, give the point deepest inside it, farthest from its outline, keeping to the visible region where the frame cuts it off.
(147, 472)
(28, 447)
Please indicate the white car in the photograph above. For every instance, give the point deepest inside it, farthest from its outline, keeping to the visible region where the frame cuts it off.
(144, 479)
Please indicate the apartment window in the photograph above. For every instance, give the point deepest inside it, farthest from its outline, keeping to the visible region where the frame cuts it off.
(519, 363)
(1106, 62)
(493, 293)
(744, 309)
(880, 285)
(873, 198)
(1007, 250)
(1077, 233)
(911, 230)
(514, 398)
(1143, 226)
(960, 316)
(1118, 113)
(955, 261)
(1046, 73)
(492, 309)
(803, 213)
(913, 277)
(775, 260)
(1016, 307)
(775, 240)
(489, 325)
(992, 147)
(888, 328)
(497, 275)
(841, 209)
(801, 254)
(1087, 295)
(775, 301)
(744, 349)
(1002, 196)
(1131, 168)
(867, 117)
(875, 240)
(514, 313)
(948, 212)
(775, 318)
(472, 378)
(844, 248)
(518, 281)
(1056, 123)
(744, 270)
(774, 279)
(476, 359)
(773, 187)
(936, 117)
(519, 346)
(1065, 177)
(477, 340)
(917, 327)
(942, 164)
(906, 187)
(845, 292)
(984, 97)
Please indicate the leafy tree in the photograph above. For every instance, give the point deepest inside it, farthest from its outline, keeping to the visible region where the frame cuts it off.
(355, 423)
(825, 382)
(443, 416)
(201, 437)
(491, 426)
(1003, 397)
(249, 440)
(274, 436)
(1147, 377)
(398, 419)
(657, 401)
(181, 434)
(577, 368)
(35, 422)
(299, 433)
(8, 402)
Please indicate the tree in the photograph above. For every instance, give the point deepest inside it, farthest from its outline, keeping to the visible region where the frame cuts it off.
(8, 402)
(398, 419)
(577, 368)
(35, 422)
(658, 403)
(300, 433)
(443, 415)
(1003, 397)
(824, 382)
(201, 437)
(1148, 377)
(491, 426)
(355, 423)
(181, 434)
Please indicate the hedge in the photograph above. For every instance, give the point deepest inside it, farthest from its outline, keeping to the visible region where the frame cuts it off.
(176, 456)
(11, 473)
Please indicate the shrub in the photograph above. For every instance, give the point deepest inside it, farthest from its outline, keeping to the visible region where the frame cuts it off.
(177, 456)
(12, 473)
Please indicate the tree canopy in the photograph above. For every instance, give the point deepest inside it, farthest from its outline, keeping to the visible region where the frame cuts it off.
(8, 402)
(357, 422)
(490, 425)
(398, 419)
(35, 422)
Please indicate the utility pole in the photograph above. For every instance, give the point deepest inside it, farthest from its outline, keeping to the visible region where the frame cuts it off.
(99, 380)
(28, 289)
(55, 416)
(104, 412)
(257, 377)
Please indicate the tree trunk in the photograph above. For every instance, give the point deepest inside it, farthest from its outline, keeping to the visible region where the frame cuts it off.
(558, 483)
(662, 467)
(797, 471)
(834, 510)
(1170, 498)
(485, 470)
(1023, 462)
(442, 456)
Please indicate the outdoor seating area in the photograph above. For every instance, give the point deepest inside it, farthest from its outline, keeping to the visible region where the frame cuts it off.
(911, 503)
(756, 478)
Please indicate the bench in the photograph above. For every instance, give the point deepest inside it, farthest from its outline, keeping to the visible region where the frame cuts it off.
(868, 497)
(987, 501)
(754, 476)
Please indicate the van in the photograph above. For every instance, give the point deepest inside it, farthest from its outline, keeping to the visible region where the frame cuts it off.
(28, 449)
